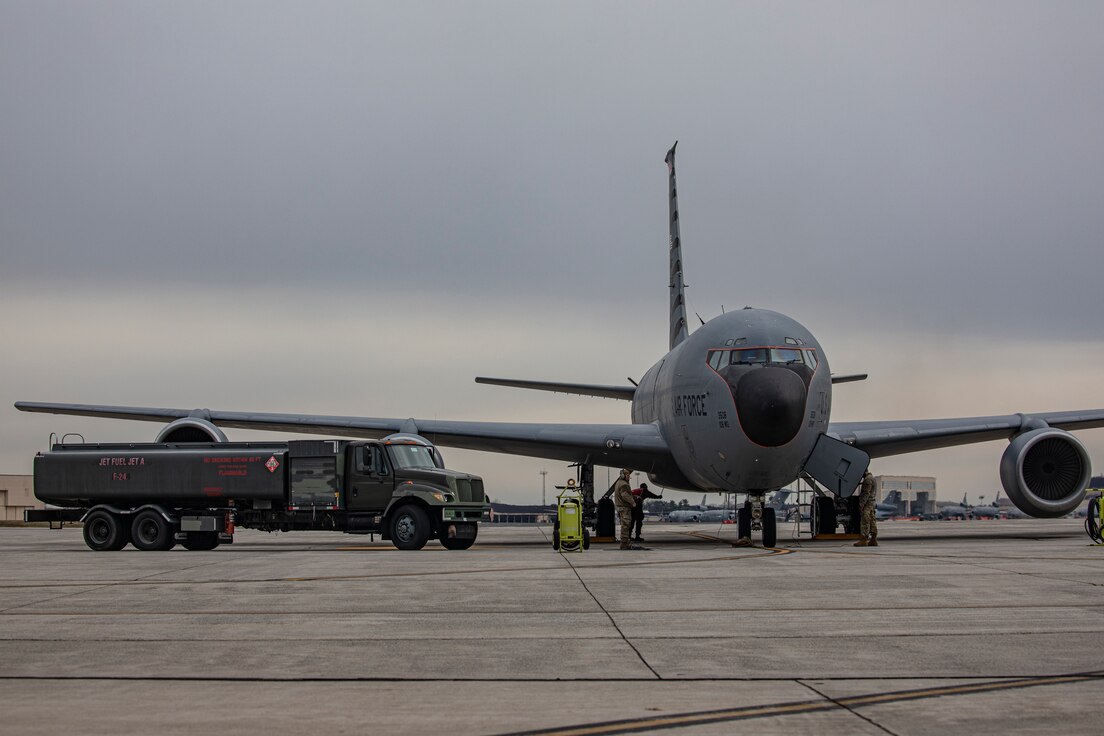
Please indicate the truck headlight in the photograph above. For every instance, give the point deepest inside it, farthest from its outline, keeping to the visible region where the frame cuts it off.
(442, 497)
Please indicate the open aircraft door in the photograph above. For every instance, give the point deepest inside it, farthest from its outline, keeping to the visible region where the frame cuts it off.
(838, 467)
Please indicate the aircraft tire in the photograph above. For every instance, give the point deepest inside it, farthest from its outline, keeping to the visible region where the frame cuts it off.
(854, 516)
(824, 515)
(105, 532)
(556, 539)
(770, 528)
(409, 528)
(743, 522)
(586, 538)
(151, 533)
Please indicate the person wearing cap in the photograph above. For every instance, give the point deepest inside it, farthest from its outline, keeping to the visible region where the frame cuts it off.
(625, 502)
(640, 495)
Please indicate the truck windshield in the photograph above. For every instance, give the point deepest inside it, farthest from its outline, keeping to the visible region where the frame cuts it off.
(411, 456)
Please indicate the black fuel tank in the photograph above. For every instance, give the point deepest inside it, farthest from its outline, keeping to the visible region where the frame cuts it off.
(199, 475)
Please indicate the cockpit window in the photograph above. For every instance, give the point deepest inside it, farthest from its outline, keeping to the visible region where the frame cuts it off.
(786, 355)
(750, 356)
(719, 359)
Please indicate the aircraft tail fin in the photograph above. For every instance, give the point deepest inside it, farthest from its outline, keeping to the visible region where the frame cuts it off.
(779, 497)
(848, 377)
(679, 330)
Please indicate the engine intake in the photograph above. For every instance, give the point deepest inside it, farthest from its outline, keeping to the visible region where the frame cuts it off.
(190, 429)
(1045, 472)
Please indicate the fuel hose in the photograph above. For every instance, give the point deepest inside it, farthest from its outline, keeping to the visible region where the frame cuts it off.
(1092, 521)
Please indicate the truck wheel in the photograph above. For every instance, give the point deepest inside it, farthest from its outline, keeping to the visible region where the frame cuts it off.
(105, 532)
(456, 543)
(151, 532)
(409, 528)
(200, 541)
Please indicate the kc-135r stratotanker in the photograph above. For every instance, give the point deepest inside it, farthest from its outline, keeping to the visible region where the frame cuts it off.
(742, 404)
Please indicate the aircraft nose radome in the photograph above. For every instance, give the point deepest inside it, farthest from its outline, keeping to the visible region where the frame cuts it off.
(771, 405)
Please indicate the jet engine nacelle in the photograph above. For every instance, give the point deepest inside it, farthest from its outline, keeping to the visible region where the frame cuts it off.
(191, 429)
(1045, 472)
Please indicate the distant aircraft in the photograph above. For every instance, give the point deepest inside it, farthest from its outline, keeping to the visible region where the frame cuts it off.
(889, 508)
(717, 516)
(690, 513)
(741, 405)
(991, 511)
(955, 511)
(783, 509)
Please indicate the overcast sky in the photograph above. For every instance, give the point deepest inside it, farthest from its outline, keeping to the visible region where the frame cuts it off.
(357, 207)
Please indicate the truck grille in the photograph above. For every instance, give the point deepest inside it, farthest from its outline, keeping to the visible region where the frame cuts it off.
(470, 490)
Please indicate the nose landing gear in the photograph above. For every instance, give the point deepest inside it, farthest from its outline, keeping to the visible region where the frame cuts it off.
(755, 515)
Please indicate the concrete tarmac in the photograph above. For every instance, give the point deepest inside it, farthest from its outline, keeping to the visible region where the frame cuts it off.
(948, 627)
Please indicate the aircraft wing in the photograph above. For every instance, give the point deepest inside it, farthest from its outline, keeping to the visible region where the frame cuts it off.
(582, 389)
(880, 439)
(638, 446)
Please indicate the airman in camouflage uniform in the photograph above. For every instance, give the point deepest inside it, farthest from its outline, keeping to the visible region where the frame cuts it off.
(868, 526)
(624, 501)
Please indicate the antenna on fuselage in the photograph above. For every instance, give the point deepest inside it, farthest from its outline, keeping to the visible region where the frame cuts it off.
(679, 331)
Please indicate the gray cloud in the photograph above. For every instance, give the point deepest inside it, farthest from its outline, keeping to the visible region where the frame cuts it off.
(921, 178)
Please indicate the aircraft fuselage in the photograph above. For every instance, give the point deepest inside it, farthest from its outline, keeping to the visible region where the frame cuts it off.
(741, 402)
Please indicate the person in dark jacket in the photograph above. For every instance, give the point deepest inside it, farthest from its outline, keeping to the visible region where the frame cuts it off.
(641, 494)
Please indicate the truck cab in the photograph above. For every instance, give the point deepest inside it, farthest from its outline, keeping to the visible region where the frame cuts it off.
(397, 487)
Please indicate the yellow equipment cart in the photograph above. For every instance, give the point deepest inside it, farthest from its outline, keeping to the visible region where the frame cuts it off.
(569, 534)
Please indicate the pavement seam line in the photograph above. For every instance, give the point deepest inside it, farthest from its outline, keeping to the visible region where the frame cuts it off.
(823, 703)
(845, 707)
(89, 587)
(608, 615)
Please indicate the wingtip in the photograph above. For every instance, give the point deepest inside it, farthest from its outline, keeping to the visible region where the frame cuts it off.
(670, 154)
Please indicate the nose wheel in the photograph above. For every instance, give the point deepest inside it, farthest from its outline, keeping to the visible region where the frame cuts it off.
(754, 515)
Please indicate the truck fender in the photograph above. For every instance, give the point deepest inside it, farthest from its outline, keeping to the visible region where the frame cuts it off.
(109, 508)
(403, 500)
(167, 514)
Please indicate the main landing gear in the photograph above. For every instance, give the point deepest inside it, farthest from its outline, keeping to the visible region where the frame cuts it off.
(755, 515)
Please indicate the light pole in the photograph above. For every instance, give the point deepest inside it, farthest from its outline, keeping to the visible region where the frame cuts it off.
(543, 475)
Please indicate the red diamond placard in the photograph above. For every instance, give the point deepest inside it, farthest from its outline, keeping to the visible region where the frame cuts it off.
(272, 464)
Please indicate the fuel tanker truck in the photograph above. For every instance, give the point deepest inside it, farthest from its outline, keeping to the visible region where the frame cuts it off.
(158, 494)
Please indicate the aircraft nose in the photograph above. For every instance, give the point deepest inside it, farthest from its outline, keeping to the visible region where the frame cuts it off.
(771, 405)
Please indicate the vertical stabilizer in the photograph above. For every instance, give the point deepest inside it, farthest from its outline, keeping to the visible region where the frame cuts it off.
(678, 297)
